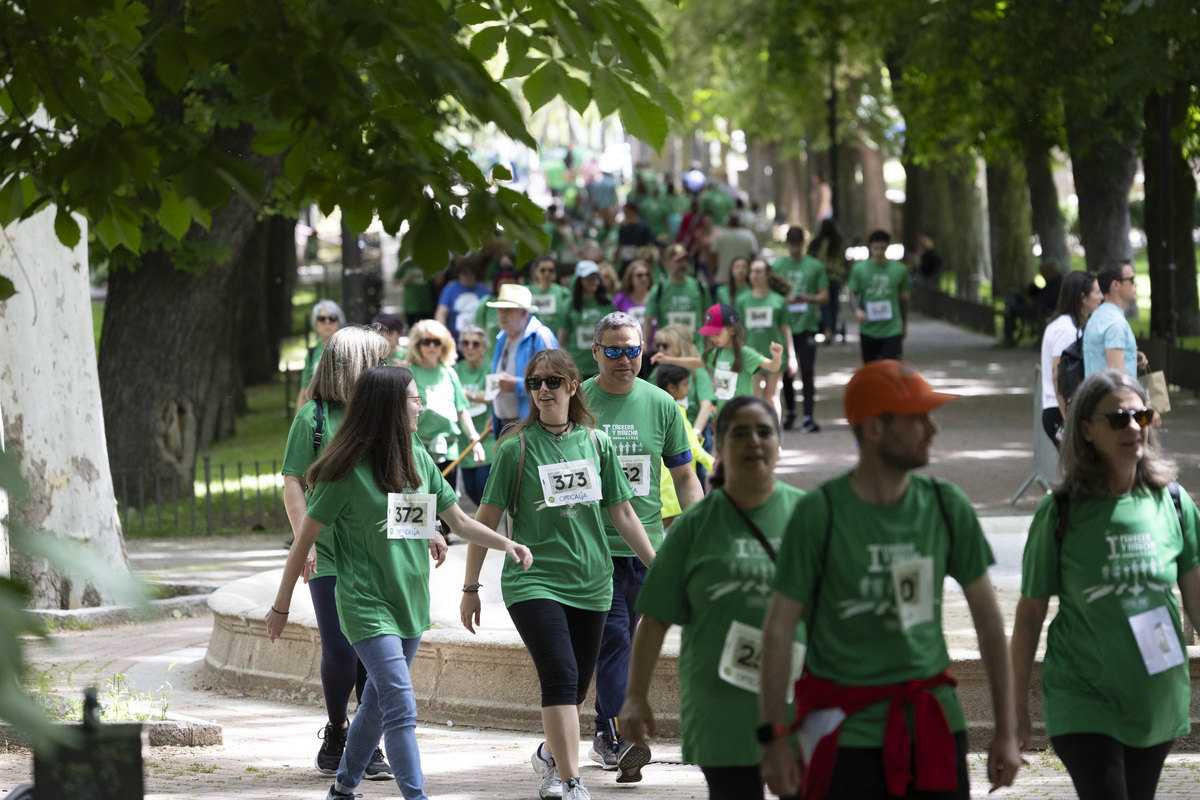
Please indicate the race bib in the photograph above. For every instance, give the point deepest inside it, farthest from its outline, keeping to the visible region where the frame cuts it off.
(759, 316)
(741, 659)
(798, 308)
(879, 311)
(546, 304)
(583, 338)
(913, 583)
(411, 516)
(687, 318)
(1157, 640)
(637, 472)
(440, 400)
(724, 383)
(570, 482)
(639, 312)
(491, 387)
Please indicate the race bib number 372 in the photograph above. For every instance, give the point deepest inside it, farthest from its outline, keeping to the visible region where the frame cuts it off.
(411, 516)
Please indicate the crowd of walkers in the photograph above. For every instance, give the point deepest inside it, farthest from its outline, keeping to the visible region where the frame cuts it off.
(579, 406)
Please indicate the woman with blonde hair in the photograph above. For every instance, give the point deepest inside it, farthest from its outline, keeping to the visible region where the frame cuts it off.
(554, 473)
(431, 357)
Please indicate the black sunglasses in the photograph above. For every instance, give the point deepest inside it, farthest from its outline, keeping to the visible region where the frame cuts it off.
(323, 318)
(553, 382)
(424, 342)
(1119, 420)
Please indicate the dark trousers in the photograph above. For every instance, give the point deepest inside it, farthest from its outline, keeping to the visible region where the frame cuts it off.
(806, 354)
(612, 670)
(829, 311)
(1052, 423)
(562, 641)
(1104, 769)
(858, 775)
(341, 671)
(474, 479)
(736, 783)
(878, 349)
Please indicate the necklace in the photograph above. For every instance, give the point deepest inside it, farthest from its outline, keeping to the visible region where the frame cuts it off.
(557, 436)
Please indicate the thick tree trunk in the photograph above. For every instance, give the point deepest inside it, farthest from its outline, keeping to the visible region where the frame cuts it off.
(1008, 223)
(916, 186)
(852, 212)
(1103, 160)
(877, 208)
(52, 415)
(267, 273)
(793, 188)
(967, 236)
(1046, 214)
(775, 182)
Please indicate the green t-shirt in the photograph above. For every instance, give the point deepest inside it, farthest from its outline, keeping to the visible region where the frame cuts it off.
(550, 307)
(299, 455)
(856, 638)
(488, 318)
(879, 289)
(310, 364)
(672, 304)
(398, 358)
(763, 319)
(645, 426)
(726, 383)
(700, 388)
(807, 276)
(571, 561)
(474, 380)
(581, 326)
(1120, 556)
(383, 584)
(710, 572)
(723, 295)
(444, 400)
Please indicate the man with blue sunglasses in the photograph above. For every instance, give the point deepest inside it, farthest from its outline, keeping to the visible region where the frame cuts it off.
(648, 431)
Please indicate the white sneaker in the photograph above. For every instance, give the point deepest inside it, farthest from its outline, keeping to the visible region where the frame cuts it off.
(551, 785)
(543, 765)
(573, 790)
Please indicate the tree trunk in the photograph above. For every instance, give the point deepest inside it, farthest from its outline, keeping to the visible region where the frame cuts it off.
(916, 187)
(967, 234)
(776, 181)
(877, 207)
(793, 188)
(1103, 160)
(52, 415)
(1046, 215)
(1008, 223)
(1176, 246)
(267, 273)
(850, 190)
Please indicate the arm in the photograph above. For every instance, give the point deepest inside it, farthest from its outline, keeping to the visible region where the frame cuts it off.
(1189, 587)
(687, 362)
(1062, 403)
(780, 769)
(631, 530)
(1116, 357)
(1027, 632)
(1004, 756)
(776, 360)
(636, 720)
(468, 426)
(277, 617)
(706, 409)
(294, 504)
(482, 535)
(469, 607)
(793, 365)
(687, 485)
(821, 297)
(442, 314)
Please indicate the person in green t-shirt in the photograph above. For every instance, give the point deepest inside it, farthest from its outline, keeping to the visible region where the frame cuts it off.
(1110, 543)
(380, 494)
(713, 577)
(419, 302)
(809, 294)
(472, 374)
(589, 302)
(863, 562)
(327, 317)
(550, 298)
(347, 354)
(880, 295)
(767, 321)
(679, 300)
(675, 341)
(556, 476)
(739, 283)
(647, 430)
(390, 327)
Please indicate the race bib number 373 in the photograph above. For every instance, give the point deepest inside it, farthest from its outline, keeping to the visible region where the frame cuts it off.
(411, 516)
(570, 482)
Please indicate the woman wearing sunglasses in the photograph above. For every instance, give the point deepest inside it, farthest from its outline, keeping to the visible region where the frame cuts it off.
(472, 373)
(1110, 543)
(553, 472)
(326, 320)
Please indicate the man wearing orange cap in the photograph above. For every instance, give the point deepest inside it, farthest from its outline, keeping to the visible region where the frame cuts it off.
(863, 561)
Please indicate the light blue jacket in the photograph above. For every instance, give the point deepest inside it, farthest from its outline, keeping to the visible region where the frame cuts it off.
(537, 337)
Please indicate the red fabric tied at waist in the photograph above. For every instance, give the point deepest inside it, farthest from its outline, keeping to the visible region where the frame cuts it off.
(936, 756)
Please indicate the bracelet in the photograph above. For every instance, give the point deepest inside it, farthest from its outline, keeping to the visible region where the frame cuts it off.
(280, 613)
(472, 587)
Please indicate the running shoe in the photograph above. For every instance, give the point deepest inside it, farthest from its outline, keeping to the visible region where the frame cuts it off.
(330, 755)
(573, 790)
(630, 762)
(378, 768)
(544, 766)
(810, 425)
(334, 794)
(604, 750)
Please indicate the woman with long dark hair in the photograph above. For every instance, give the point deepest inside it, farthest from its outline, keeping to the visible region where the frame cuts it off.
(1079, 297)
(381, 497)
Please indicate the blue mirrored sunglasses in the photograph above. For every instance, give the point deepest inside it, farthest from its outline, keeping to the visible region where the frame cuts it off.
(628, 352)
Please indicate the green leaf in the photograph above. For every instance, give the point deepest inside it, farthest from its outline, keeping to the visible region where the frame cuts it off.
(542, 86)
(66, 228)
(271, 142)
(475, 14)
(12, 201)
(576, 93)
(173, 213)
(7, 289)
(171, 62)
(486, 42)
(501, 173)
(639, 114)
(520, 67)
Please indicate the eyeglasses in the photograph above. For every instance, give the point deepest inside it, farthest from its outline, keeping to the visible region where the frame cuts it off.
(427, 342)
(416, 398)
(641, 274)
(469, 343)
(553, 382)
(323, 318)
(661, 346)
(628, 352)
(1119, 420)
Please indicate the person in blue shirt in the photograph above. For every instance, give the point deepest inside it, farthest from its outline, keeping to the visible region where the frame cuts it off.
(521, 335)
(1108, 339)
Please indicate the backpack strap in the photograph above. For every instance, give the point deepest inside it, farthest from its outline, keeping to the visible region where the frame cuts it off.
(596, 444)
(1173, 489)
(824, 554)
(937, 491)
(318, 432)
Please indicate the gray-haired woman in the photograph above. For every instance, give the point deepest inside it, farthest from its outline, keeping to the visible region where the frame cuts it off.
(327, 318)
(1110, 542)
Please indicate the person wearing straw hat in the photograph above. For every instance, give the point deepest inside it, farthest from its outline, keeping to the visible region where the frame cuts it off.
(521, 335)
(863, 560)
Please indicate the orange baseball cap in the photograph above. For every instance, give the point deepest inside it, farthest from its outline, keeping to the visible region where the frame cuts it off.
(889, 386)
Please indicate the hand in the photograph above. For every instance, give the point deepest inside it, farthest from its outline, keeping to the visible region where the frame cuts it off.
(478, 453)
(310, 564)
(636, 720)
(507, 383)
(1143, 363)
(275, 622)
(657, 357)
(793, 366)
(1157, 421)
(519, 553)
(1004, 761)
(1024, 729)
(438, 549)
(776, 350)
(468, 610)
(780, 769)
(860, 315)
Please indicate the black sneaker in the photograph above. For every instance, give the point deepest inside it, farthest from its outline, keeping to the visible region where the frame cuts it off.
(378, 768)
(604, 750)
(789, 420)
(810, 426)
(334, 794)
(630, 760)
(330, 755)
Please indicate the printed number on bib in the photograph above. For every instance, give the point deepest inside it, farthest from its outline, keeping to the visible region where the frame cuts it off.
(411, 516)
(1157, 639)
(879, 311)
(570, 482)
(724, 383)
(687, 318)
(491, 387)
(798, 308)
(545, 304)
(637, 471)
(583, 338)
(759, 317)
(913, 583)
(741, 659)
(638, 312)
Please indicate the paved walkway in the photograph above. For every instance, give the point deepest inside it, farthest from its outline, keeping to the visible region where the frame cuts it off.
(984, 447)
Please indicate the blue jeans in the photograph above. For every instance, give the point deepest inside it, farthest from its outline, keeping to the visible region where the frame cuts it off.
(612, 669)
(389, 706)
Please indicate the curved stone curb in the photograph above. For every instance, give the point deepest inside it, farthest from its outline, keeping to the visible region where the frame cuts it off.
(190, 601)
(177, 732)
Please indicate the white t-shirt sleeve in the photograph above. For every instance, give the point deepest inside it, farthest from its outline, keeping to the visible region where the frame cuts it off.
(1058, 337)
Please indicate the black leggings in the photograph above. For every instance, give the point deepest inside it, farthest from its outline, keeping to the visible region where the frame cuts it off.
(341, 671)
(1104, 769)
(878, 349)
(736, 783)
(564, 643)
(1052, 423)
(858, 775)
(805, 343)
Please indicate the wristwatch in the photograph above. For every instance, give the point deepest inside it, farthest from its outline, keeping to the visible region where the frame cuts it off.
(769, 732)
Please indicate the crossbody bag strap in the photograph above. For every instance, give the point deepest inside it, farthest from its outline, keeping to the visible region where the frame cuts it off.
(766, 545)
(520, 470)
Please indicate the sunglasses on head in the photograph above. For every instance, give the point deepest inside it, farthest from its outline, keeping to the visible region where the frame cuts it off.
(425, 342)
(1119, 420)
(553, 382)
(628, 352)
(323, 318)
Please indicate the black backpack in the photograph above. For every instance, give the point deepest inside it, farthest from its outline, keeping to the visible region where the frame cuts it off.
(1070, 369)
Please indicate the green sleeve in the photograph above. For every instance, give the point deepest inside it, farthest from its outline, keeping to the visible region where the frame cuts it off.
(327, 501)
(704, 387)
(904, 285)
(751, 359)
(664, 591)
(970, 555)
(854, 283)
(1189, 557)
(1041, 573)
(299, 453)
(433, 482)
(460, 397)
(502, 479)
(798, 566)
(614, 486)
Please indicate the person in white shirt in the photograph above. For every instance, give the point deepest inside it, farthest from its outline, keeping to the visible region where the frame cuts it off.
(1080, 296)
